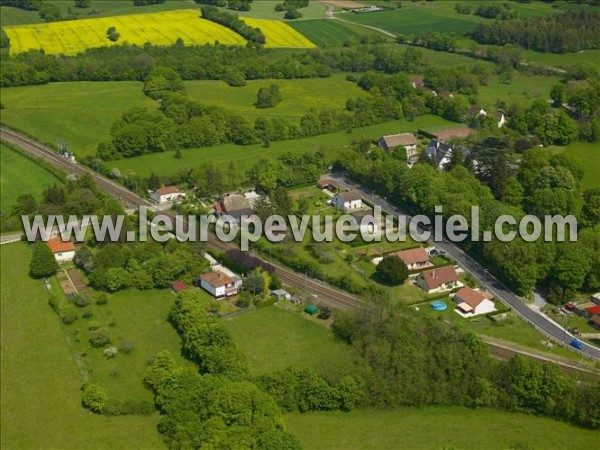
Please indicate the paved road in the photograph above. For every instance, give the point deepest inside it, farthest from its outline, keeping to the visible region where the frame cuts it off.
(492, 284)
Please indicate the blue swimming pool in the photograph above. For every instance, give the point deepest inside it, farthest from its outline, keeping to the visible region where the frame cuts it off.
(438, 305)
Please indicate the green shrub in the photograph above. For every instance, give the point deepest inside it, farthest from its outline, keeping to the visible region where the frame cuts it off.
(94, 398)
(68, 319)
(81, 300)
(99, 338)
(126, 346)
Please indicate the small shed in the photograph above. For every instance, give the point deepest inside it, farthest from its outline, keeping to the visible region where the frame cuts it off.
(178, 286)
(281, 294)
(311, 309)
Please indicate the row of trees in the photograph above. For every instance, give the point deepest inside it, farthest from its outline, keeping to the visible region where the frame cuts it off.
(570, 31)
(435, 359)
(253, 35)
(47, 11)
(237, 5)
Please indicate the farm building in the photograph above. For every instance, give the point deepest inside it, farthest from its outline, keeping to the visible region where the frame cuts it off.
(414, 258)
(63, 250)
(438, 280)
(472, 302)
(347, 201)
(167, 194)
(220, 284)
(406, 140)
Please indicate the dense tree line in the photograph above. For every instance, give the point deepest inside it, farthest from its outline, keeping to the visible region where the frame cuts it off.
(143, 265)
(417, 361)
(238, 5)
(47, 11)
(570, 31)
(147, 2)
(253, 35)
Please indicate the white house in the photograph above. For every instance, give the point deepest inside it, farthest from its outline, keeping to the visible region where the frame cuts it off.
(167, 194)
(406, 140)
(472, 302)
(347, 201)
(63, 250)
(438, 280)
(220, 285)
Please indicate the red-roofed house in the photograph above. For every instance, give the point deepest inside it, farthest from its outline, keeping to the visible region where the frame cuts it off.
(592, 310)
(438, 280)
(167, 194)
(415, 258)
(473, 302)
(63, 250)
(452, 133)
(220, 285)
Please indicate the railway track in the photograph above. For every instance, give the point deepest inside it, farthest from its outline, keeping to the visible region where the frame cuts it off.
(322, 292)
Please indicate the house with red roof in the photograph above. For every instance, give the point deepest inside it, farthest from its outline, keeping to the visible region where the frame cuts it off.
(473, 302)
(415, 258)
(167, 194)
(220, 285)
(63, 250)
(438, 280)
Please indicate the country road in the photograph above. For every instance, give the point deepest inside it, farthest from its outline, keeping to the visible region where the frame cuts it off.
(322, 292)
(540, 321)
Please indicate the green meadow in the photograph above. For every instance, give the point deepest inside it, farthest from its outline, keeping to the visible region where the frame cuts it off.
(329, 33)
(587, 154)
(78, 114)
(434, 428)
(41, 397)
(19, 175)
(298, 95)
(273, 339)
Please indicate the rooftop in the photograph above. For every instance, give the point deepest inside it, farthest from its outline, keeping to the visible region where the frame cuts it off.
(168, 190)
(57, 245)
(217, 279)
(471, 296)
(395, 140)
(413, 256)
(437, 277)
(349, 196)
(452, 133)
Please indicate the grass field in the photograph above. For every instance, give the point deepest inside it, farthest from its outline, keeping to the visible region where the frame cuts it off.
(521, 90)
(163, 28)
(298, 95)
(440, 16)
(265, 9)
(273, 339)
(41, 400)
(279, 34)
(588, 155)
(136, 316)
(98, 8)
(20, 175)
(329, 33)
(434, 428)
(79, 114)
(247, 155)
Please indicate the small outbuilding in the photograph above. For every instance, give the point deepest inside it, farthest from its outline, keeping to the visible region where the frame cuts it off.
(178, 286)
(63, 250)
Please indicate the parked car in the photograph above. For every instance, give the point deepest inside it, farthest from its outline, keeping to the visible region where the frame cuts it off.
(577, 344)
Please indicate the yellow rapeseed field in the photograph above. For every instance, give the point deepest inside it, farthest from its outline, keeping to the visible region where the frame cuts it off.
(75, 36)
(279, 34)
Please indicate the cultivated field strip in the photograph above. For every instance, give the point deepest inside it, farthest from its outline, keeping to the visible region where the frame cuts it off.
(279, 34)
(164, 28)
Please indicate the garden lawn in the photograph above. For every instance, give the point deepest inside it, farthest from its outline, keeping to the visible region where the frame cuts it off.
(245, 156)
(19, 175)
(273, 339)
(78, 114)
(434, 428)
(521, 90)
(41, 397)
(298, 95)
(265, 9)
